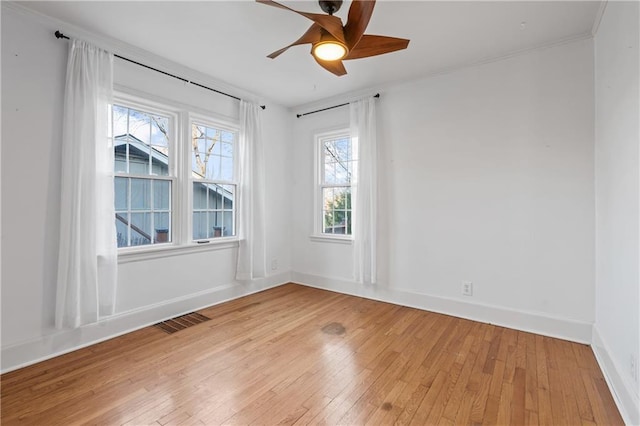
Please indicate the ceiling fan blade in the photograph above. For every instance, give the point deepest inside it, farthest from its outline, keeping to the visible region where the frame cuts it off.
(359, 15)
(335, 67)
(332, 24)
(313, 35)
(373, 45)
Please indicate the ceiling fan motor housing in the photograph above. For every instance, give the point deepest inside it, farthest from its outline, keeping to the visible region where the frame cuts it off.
(330, 6)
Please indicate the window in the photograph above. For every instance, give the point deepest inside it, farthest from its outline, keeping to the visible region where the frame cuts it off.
(214, 184)
(143, 176)
(175, 177)
(336, 162)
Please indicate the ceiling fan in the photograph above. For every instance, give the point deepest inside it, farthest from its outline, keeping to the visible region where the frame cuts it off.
(331, 42)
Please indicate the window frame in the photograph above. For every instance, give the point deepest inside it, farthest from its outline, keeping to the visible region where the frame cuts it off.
(319, 185)
(146, 106)
(207, 121)
(179, 173)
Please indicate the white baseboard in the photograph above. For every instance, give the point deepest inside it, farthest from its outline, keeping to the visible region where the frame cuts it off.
(533, 322)
(59, 342)
(620, 386)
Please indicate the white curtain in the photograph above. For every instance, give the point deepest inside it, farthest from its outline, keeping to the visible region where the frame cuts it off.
(251, 202)
(364, 192)
(87, 260)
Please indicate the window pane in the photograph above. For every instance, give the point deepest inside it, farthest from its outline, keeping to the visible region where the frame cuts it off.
(212, 153)
(138, 167)
(140, 194)
(227, 221)
(141, 147)
(161, 225)
(122, 222)
(217, 150)
(217, 226)
(139, 138)
(336, 211)
(330, 173)
(342, 173)
(161, 194)
(120, 155)
(140, 229)
(159, 163)
(159, 131)
(328, 151)
(121, 189)
(212, 159)
(199, 145)
(213, 141)
(337, 163)
(199, 225)
(328, 222)
(140, 126)
(213, 167)
(215, 197)
(228, 192)
(226, 169)
(199, 195)
(340, 198)
(327, 202)
(197, 165)
(120, 117)
(227, 137)
(342, 148)
(227, 149)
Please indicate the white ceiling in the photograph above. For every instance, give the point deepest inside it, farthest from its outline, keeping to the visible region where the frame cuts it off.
(229, 40)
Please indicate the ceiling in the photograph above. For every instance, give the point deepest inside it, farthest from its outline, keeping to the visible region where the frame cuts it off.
(229, 40)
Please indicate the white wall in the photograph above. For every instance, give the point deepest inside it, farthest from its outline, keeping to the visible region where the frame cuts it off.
(617, 327)
(487, 175)
(33, 74)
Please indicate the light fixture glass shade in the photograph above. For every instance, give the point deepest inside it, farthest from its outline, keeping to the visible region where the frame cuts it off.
(329, 50)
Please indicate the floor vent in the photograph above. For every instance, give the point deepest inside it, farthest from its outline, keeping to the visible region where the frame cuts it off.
(180, 323)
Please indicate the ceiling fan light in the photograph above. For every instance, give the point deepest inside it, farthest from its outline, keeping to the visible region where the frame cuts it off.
(329, 50)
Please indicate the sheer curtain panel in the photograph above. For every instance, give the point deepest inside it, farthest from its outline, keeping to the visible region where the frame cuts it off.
(87, 262)
(363, 130)
(251, 222)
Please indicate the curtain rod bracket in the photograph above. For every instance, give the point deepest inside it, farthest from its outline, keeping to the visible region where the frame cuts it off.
(59, 35)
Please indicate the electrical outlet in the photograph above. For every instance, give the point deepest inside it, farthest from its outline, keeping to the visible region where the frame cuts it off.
(633, 368)
(274, 264)
(467, 288)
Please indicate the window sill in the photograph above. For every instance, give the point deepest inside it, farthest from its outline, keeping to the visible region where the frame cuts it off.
(331, 239)
(129, 255)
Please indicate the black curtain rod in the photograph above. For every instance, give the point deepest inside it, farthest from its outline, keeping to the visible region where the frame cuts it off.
(377, 95)
(58, 34)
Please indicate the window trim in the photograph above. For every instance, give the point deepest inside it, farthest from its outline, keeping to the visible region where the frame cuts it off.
(180, 154)
(145, 105)
(200, 119)
(318, 217)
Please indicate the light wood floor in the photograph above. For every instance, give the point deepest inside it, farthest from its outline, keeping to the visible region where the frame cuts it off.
(297, 355)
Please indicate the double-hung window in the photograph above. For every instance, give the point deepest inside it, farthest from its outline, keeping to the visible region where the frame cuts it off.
(175, 176)
(144, 175)
(336, 163)
(213, 175)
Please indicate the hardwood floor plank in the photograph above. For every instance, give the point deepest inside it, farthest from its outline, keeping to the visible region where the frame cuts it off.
(299, 355)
